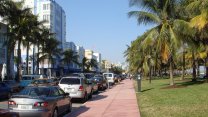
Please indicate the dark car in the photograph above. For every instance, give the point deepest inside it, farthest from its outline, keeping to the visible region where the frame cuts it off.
(40, 101)
(101, 81)
(5, 90)
(15, 86)
(43, 82)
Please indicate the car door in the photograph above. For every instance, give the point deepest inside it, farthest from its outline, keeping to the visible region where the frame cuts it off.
(60, 100)
(66, 99)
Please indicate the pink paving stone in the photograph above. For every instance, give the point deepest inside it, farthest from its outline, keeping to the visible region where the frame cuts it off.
(119, 101)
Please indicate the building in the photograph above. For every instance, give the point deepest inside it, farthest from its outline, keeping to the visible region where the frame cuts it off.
(106, 65)
(97, 56)
(54, 15)
(4, 52)
(81, 53)
(89, 54)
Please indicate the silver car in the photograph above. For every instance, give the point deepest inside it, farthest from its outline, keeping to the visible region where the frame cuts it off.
(50, 101)
(77, 87)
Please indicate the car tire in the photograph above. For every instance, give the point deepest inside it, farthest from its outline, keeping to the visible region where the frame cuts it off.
(84, 99)
(69, 108)
(55, 113)
(90, 96)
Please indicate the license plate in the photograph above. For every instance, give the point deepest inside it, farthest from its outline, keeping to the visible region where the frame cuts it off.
(25, 107)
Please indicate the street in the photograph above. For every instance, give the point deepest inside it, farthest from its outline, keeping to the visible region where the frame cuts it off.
(75, 104)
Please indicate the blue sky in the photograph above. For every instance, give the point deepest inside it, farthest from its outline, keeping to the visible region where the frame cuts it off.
(101, 25)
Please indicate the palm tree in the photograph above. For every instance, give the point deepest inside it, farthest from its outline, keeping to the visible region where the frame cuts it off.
(50, 51)
(163, 14)
(18, 20)
(84, 64)
(70, 57)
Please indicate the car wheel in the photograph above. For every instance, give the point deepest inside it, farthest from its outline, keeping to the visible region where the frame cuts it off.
(90, 96)
(69, 108)
(84, 99)
(55, 113)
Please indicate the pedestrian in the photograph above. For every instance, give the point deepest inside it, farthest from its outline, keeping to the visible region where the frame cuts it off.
(130, 77)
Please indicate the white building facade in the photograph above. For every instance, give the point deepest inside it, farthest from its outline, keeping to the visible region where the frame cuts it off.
(54, 15)
(4, 51)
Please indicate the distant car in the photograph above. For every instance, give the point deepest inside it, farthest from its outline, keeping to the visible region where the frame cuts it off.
(27, 79)
(15, 86)
(110, 77)
(42, 101)
(42, 82)
(89, 77)
(5, 90)
(77, 87)
(101, 81)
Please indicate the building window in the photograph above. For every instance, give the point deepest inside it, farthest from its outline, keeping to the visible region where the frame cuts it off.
(46, 6)
(46, 17)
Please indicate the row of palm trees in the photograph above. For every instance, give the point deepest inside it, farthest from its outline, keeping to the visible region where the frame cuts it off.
(25, 30)
(177, 41)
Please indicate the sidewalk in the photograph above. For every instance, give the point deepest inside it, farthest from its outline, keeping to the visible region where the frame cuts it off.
(119, 101)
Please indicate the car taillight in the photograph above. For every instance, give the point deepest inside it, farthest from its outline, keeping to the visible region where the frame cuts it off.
(41, 104)
(81, 88)
(12, 103)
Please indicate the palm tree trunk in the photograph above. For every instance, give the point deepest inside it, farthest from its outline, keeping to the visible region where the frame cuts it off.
(27, 58)
(150, 75)
(205, 64)
(19, 67)
(194, 66)
(183, 66)
(38, 61)
(171, 72)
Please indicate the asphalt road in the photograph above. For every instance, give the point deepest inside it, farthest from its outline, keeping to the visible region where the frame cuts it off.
(75, 104)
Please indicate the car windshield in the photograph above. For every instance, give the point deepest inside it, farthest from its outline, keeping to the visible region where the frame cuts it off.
(97, 79)
(35, 91)
(70, 81)
(39, 82)
(26, 78)
(108, 75)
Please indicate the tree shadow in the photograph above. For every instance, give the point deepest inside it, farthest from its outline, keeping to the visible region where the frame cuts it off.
(147, 89)
(98, 97)
(189, 83)
(78, 111)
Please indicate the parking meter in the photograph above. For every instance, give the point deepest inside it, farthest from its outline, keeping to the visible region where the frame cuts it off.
(139, 82)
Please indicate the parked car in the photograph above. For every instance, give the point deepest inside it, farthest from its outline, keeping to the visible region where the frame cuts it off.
(42, 82)
(27, 79)
(101, 82)
(40, 101)
(77, 87)
(15, 86)
(94, 85)
(5, 90)
(110, 77)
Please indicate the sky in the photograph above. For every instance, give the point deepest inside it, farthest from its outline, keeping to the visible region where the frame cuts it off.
(102, 26)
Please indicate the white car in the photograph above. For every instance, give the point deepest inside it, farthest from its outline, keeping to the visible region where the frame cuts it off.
(77, 87)
(110, 77)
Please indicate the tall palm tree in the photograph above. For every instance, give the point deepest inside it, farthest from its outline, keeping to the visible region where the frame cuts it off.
(163, 14)
(18, 20)
(70, 57)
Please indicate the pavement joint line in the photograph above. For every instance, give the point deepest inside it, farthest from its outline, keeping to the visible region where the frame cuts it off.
(111, 102)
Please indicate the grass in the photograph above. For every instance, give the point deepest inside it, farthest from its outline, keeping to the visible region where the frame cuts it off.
(190, 100)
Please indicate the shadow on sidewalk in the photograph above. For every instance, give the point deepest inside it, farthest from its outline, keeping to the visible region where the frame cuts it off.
(78, 111)
(98, 97)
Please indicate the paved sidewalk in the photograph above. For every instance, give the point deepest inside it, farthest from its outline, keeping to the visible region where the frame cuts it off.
(119, 101)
